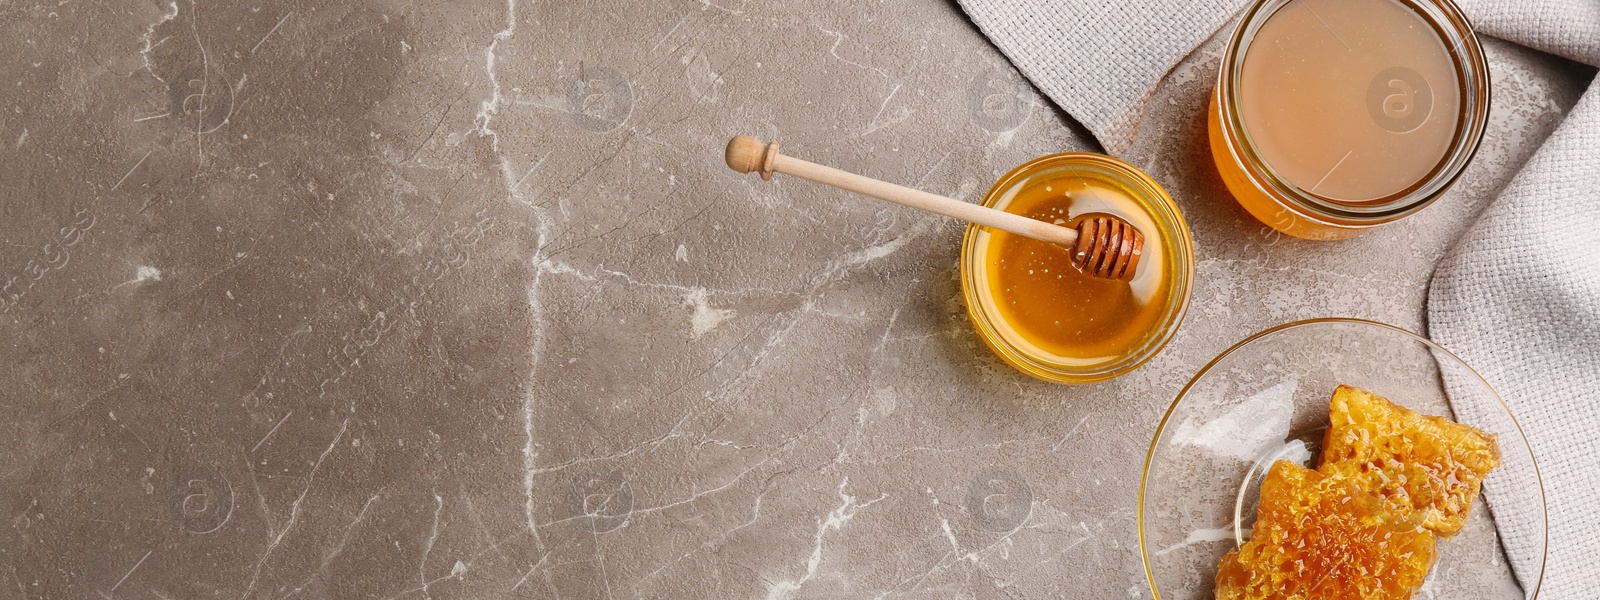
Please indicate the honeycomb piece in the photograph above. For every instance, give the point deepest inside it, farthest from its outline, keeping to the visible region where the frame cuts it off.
(1320, 537)
(1428, 465)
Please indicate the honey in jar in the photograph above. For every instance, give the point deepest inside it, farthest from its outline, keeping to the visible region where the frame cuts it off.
(1055, 306)
(1050, 319)
(1331, 117)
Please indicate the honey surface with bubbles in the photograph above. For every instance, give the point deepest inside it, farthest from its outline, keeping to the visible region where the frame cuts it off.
(1053, 304)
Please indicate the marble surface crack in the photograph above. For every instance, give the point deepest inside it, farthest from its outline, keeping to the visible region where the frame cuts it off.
(836, 519)
(125, 576)
(1069, 434)
(838, 38)
(653, 443)
(693, 496)
(561, 268)
(698, 495)
(895, 118)
(945, 562)
(841, 267)
(1200, 536)
(530, 407)
(274, 429)
(755, 515)
(274, 29)
(149, 34)
(427, 548)
(294, 510)
(344, 540)
(489, 108)
(135, 166)
(529, 573)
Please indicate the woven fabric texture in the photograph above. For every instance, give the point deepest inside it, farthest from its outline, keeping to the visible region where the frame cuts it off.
(1519, 299)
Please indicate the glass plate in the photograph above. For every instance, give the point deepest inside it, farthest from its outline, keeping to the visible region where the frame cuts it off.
(1266, 398)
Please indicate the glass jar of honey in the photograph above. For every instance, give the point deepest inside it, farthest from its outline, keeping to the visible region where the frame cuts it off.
(1331, 117)
(1049, 319)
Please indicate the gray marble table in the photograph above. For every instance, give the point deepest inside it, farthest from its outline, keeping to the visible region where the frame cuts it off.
(455, 299)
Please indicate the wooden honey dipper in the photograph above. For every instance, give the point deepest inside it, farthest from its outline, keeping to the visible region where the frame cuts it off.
(1103, 246)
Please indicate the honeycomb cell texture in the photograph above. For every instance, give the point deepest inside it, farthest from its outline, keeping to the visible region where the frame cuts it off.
(1320, 537)
(1429, 466)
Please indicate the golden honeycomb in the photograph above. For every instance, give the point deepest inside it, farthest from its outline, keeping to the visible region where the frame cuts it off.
(1320, 537)
(1418, 464)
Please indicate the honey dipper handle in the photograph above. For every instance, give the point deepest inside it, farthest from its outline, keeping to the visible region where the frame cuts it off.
(745, 154)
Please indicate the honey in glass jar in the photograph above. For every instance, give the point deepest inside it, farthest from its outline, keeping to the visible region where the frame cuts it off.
(1331, 117)
(1046, 317)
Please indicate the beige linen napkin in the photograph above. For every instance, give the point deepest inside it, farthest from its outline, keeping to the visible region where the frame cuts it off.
(1518, 298)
